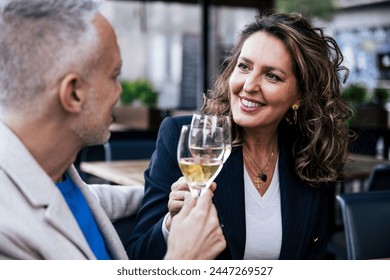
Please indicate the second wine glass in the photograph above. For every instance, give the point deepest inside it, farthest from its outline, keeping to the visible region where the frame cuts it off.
(213, 121)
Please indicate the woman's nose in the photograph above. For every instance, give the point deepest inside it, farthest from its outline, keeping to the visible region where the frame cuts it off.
(252, 83)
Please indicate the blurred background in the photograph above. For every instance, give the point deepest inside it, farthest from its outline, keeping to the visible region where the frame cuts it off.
(162, 41)
(173, 50)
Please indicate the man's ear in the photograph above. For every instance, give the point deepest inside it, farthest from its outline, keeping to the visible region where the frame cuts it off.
(72, 93)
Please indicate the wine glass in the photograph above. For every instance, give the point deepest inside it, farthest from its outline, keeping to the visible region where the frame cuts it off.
(200, 154)
(212, 121)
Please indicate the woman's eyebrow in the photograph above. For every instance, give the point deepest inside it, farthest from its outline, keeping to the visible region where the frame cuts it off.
(267, 67)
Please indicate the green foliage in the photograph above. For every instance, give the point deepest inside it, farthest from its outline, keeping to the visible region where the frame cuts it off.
(319, 8)
(141, 90)
(381, 95)
(355, 94)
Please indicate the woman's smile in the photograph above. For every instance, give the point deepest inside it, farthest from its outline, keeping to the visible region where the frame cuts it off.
(249, 105)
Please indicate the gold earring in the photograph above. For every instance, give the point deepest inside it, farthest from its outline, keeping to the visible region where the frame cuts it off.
(295, 108)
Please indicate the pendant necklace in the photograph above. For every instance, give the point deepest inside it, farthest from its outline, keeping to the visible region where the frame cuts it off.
(260, 177)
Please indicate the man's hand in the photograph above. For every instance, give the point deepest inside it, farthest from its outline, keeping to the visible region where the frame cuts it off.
(195, 232)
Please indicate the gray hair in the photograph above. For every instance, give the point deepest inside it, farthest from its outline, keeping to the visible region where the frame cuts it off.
(40, 41)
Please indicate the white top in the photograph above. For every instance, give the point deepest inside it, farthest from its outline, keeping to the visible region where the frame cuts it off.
(263, 220)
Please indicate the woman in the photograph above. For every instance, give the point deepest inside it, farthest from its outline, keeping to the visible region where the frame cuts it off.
(281, 87)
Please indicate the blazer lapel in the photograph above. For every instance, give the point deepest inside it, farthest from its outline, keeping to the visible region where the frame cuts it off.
(113, 243)
(61, 218)
(295, 205)
(39, 189)
(229, 200)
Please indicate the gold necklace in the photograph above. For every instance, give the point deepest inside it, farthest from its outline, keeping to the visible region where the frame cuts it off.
(260, 177)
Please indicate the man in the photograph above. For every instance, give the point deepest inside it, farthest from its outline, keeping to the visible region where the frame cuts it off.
(58, 84)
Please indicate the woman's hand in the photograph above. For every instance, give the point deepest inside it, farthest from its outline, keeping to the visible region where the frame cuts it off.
(176, 198)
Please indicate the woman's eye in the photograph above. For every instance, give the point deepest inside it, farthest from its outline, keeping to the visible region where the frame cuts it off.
(273, 77)
(243, 66)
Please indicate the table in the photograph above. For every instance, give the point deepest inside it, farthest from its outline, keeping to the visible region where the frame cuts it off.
(130, 172)
(358, 166)
(122, 172)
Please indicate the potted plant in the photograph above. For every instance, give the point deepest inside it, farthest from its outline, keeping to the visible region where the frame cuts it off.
(355, 94)
(137, 105)
(139, 90)
(368, 114)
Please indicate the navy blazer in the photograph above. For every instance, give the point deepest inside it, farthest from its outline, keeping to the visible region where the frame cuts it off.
(303, 207)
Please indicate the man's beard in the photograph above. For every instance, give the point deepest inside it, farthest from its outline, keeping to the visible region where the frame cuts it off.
(90, 129)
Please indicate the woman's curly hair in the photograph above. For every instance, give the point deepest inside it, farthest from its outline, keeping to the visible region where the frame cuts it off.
(321, 145)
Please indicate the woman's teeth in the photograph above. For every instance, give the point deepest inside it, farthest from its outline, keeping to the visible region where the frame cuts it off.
(250, 104)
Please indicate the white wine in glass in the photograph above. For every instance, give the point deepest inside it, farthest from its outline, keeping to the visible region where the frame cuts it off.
(200, 154)
(213, 121)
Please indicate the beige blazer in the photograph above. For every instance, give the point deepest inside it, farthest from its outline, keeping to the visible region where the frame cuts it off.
(35, 221)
